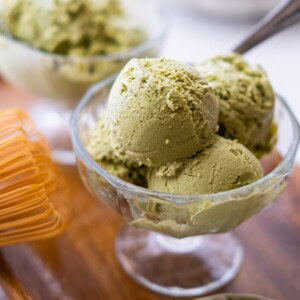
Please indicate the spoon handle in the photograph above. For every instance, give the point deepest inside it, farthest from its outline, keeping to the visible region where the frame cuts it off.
(284, 15)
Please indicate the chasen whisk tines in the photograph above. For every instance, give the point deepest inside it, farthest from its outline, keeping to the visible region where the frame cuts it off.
(28, 178)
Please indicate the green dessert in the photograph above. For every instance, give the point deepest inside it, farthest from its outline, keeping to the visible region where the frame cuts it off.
(224, 166)
(68, 45)
(203, 215)
(160, 110)
(163, 115)
(67, 27)
(100, 149)
(246, 101)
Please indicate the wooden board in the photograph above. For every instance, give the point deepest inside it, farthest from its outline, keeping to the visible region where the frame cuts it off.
(80, 264)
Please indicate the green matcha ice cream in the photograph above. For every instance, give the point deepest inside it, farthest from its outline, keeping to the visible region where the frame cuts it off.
(81, 27)
(206, 215)
(246, 101)
(164, 115)
(101, 151)
(224, 166)
(68, 45)
(161, 110)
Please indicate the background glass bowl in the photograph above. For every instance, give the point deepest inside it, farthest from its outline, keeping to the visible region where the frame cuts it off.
(59, 81)
(232, 296)
(145, 254)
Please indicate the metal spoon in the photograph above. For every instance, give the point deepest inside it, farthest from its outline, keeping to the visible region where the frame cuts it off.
(284, 15)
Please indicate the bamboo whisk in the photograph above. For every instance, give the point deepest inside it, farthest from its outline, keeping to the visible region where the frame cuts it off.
(28, 179)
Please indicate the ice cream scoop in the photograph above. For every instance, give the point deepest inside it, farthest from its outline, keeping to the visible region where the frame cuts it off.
(246, 101)
(161, 110)
(224, 166)
(100, 149)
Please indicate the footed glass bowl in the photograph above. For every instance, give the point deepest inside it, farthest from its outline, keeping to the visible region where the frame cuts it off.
(59, 81)
(170, 243)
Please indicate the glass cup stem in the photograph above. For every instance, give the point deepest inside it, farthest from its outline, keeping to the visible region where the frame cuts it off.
(179, 267)
(177, 245)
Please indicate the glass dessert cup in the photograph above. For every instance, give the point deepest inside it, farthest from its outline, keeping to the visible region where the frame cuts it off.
(231, 296)
(59, 81)
(170, 243)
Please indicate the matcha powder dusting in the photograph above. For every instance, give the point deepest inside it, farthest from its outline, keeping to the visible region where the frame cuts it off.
(67, 27)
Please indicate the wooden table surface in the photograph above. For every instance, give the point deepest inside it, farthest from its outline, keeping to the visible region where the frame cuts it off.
(80, 264)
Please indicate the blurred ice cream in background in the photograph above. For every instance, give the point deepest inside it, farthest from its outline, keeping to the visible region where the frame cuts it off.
(203, 28)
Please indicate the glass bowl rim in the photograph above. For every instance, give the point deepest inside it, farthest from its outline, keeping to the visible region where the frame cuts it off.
(244, 296)
(283, 168)
(130, 53)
